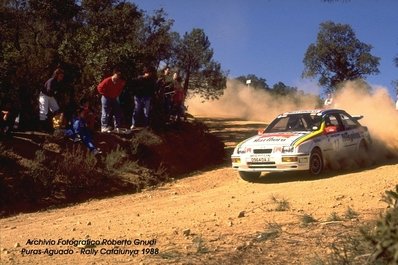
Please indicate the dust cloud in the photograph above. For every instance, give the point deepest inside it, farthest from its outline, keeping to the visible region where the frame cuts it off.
(380, 115)
(241, 102)
(245, 103)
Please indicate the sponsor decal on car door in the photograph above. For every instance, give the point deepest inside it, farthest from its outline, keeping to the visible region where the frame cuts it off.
(335, 138)
(351, 137)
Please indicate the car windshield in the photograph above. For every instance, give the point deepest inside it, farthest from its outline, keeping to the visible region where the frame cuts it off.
(294, 123)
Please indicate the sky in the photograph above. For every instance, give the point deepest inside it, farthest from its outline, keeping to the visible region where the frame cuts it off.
(269, 38)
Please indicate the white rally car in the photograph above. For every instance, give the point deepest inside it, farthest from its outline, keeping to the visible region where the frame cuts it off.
(302, 140)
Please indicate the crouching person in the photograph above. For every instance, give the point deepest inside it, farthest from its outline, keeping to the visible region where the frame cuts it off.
(80, 131)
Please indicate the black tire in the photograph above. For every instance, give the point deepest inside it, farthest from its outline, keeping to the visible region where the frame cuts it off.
(249, 176)
(316, 162)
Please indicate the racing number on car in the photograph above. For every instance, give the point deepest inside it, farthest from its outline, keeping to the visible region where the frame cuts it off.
(336, 141)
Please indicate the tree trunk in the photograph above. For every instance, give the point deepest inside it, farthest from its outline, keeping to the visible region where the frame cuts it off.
(186, 81)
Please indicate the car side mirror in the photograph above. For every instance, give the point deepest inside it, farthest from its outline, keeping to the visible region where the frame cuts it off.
(330, 129)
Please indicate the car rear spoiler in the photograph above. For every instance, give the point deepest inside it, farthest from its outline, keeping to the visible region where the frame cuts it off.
(357, 117)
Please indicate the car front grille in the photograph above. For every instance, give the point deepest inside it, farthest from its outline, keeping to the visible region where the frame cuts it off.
(262, 151)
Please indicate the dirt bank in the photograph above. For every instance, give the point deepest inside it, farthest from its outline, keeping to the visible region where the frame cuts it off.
(209, 217)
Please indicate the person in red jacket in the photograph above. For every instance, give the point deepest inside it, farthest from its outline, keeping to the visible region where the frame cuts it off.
(110, 89)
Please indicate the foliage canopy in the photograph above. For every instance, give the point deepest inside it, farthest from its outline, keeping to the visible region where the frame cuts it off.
(338, 56)
(88, 38)
(256, 82)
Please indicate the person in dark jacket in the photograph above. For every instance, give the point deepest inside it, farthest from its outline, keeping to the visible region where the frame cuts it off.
(47, 100)
(145, 88)
(165, 90)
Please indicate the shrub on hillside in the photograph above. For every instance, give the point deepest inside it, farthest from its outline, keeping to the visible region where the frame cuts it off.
(58, 171)
(181, 149)
(78, 168)
(144, 139)
(385, 236)
(118, 162)
(372, 244)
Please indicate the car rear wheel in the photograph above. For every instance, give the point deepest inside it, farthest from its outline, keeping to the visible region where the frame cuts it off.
(249, 176)
(316, 162)
(363, 159)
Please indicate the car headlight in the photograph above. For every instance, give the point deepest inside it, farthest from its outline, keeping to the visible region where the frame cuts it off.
(289, 159)
(235, 160)
(287, 149)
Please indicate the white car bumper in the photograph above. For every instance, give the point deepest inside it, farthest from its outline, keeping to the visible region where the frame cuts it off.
(270, 162)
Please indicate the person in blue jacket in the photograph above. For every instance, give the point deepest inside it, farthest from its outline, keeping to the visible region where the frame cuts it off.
(80, 131)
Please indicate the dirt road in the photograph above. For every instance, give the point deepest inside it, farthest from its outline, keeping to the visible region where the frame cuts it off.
(209, 217)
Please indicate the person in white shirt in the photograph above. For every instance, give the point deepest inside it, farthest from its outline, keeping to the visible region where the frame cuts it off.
(396, 103)
(328, 101)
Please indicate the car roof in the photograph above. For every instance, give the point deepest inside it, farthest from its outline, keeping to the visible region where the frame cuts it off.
(319, 112)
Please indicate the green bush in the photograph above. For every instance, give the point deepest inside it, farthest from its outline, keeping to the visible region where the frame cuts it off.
(114, 159)
(372, 244)
(39, 169)
(385, 236)
(144, 138)
(118, 162)
(79, 167)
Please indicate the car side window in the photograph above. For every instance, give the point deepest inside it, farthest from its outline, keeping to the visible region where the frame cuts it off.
(333, 120)
(296, 123)
(305, 124)
(348, 122)
(278, 125)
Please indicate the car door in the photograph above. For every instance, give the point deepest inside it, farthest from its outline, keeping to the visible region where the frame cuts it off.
(351, 136)
(334, 134)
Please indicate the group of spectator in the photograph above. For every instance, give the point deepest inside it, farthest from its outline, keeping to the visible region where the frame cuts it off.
(79, 124)
(147, 89)
(172, 93)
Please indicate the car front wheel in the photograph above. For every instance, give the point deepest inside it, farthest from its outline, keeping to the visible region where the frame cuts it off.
(316, 162)
(249, 176)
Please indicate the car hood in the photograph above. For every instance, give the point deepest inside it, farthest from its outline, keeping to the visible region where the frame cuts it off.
(273, 139)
